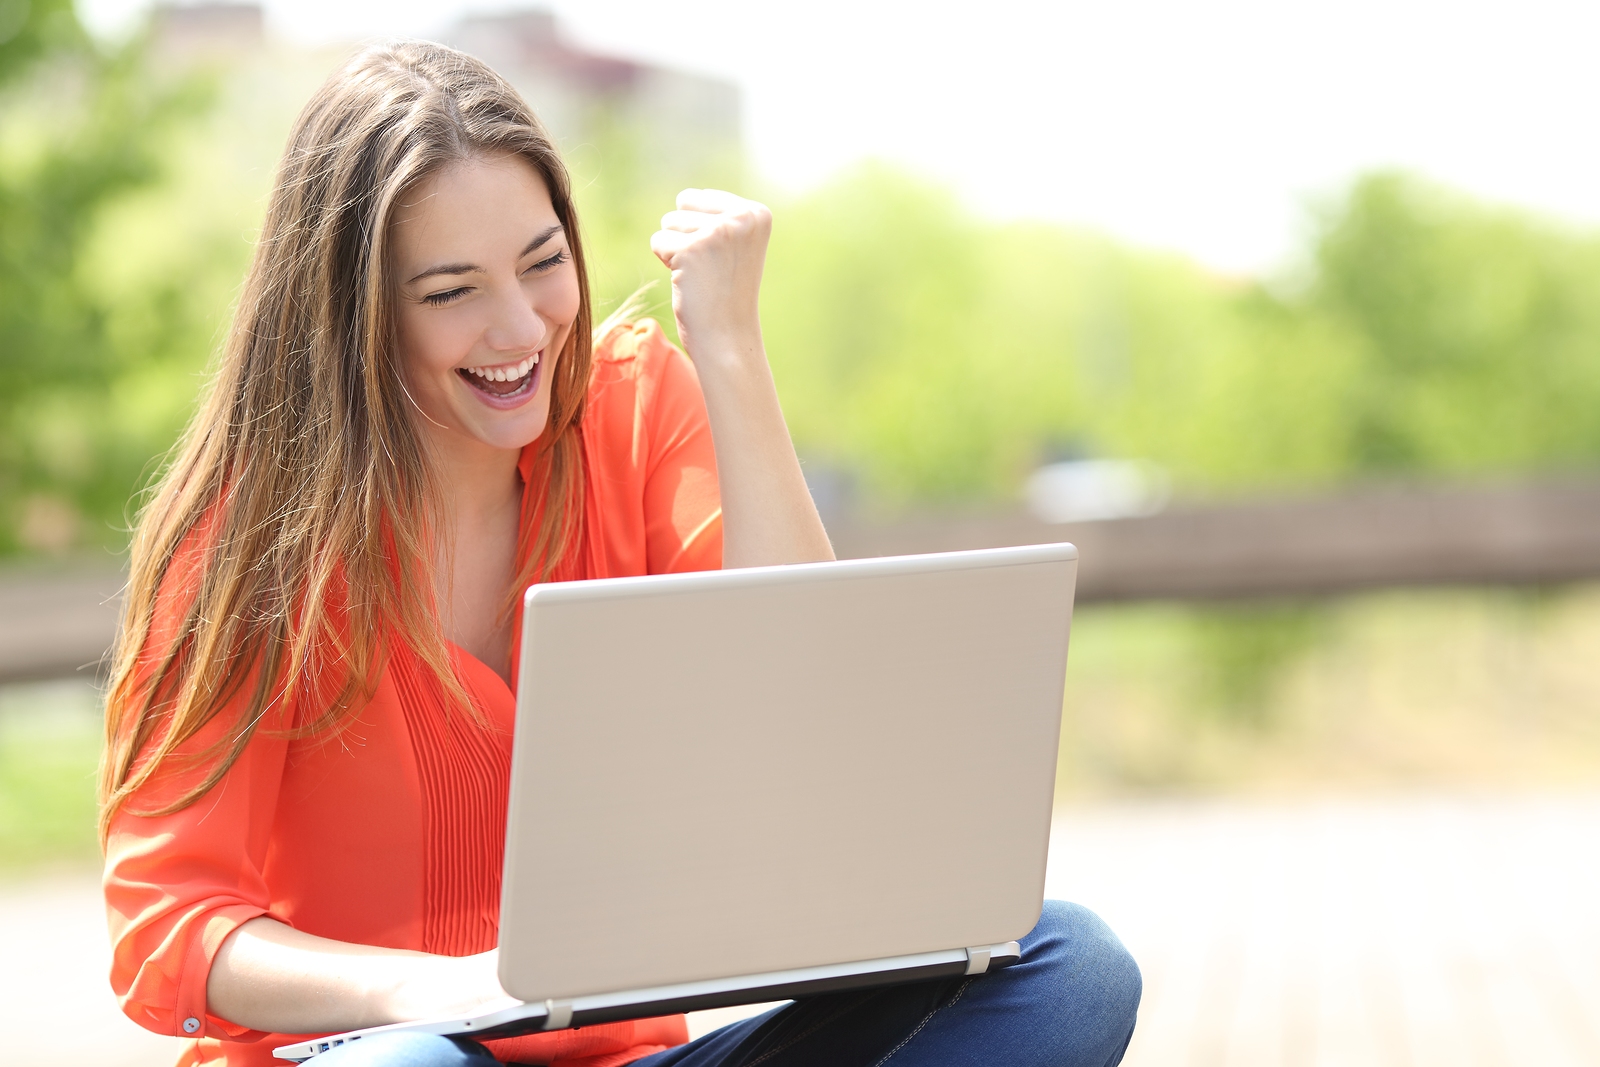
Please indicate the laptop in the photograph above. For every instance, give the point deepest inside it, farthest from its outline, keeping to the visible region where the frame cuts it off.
(735, 787)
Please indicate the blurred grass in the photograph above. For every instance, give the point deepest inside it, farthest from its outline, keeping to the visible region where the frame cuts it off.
(1444, 689)
(49, 747)
(1407, 689)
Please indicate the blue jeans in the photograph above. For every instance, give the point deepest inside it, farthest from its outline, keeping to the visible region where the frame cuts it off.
(1070, 1001)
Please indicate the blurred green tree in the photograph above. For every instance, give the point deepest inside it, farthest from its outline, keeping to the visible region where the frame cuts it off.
(930, 354)
(621, 195)
(1478, 330)
(80, 125)
(940, 355)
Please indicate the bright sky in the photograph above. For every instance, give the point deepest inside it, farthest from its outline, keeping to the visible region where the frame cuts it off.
(1205, 127)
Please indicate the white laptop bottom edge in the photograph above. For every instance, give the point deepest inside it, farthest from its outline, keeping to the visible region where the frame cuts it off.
(690, 996)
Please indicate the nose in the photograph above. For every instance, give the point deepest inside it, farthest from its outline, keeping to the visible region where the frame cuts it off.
(514, 327)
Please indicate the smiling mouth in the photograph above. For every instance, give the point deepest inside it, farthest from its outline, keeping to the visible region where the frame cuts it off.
(506, 381)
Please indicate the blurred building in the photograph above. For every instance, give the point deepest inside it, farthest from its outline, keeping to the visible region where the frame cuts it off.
(675, 119)
(206, 32)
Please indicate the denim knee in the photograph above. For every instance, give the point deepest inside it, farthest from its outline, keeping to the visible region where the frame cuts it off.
(406, 1050)
(1093, 976)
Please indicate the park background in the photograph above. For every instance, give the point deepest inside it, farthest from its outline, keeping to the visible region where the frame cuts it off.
(1265, 254)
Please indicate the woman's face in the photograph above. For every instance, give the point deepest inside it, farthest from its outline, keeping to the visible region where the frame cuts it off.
(487, 297)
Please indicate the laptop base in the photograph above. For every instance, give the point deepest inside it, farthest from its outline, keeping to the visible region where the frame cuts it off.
(690, 996)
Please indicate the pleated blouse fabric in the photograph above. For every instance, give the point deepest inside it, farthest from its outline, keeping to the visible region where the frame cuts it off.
(391, 832)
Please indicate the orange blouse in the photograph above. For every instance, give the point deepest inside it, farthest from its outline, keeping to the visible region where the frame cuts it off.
(391, 833)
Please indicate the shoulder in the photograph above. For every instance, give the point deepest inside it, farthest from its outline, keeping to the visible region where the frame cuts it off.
(637, 369)
(634, 350)
(633, 341)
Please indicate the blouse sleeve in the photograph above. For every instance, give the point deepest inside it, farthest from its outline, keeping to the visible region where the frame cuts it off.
(682, 505)
(177, 885)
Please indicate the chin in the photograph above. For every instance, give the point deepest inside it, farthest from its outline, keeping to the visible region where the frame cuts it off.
(514, 433)
(505, 429)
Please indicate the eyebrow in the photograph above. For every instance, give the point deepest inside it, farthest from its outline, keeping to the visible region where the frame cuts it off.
(471, 268)
(540, 238)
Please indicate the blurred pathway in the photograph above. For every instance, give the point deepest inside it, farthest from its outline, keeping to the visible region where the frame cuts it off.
(1381, 933)
(56, 1008)
(1405, 931)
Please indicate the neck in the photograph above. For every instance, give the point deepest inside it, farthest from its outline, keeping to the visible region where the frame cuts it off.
(473, 478)
(481, 508)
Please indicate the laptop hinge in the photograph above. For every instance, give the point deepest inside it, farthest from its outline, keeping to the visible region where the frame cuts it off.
(557, 1014)
(992, 957)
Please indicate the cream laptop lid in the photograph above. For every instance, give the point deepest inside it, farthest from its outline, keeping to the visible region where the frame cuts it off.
(753, 771)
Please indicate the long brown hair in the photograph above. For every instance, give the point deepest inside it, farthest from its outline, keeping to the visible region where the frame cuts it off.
(301, 483)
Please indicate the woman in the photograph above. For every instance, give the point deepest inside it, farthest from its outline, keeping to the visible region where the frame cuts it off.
(303, 793)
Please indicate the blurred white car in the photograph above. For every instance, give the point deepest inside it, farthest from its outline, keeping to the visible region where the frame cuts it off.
(1090, 489)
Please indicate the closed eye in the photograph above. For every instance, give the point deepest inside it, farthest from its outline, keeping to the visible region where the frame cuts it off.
(439, 299)
(547, 264)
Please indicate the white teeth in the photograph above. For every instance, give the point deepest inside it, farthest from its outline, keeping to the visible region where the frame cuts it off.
(506, 374)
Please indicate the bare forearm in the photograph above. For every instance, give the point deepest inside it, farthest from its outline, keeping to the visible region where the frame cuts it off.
(714, 244)
(768, 514)
(269, 976)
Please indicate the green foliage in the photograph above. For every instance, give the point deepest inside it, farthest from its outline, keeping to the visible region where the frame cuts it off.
(1240, 651)
(941, 355)
(1444, 687)
(622, 192)
(1479, 330)
(49, 747)
(931, 354)
(30, 29)
(82, 128)
(877, 320)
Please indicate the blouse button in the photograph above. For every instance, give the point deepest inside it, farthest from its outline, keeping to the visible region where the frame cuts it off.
(190, 1025)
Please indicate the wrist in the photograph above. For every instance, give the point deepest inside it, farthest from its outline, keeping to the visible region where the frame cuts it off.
(423, 986)
(400, 989)
(386, 993)
(725, 349)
